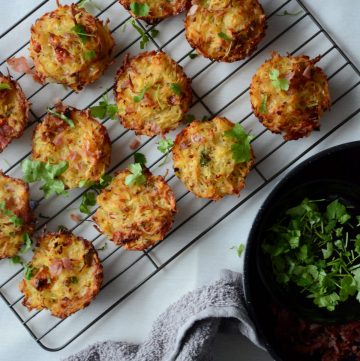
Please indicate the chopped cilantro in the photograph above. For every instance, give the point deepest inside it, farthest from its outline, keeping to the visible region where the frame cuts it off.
(89, 55)
(27, 243)
(29, 271)
(144, 38)
(140, 97)
(282, 84)
(176, 88)
(239, 249)
(80, 31)
(63, 117)
(154, 33)
(310, 246)
(165, 146)
(5, 86)
(104, 109)
(193, 55)
(16, 260)
(13, 218)
(88, 199)
(140, 158)
(139, 9)
(189, 118)
(40, 171)
(136, 177)
(241, 150)
(224, 36)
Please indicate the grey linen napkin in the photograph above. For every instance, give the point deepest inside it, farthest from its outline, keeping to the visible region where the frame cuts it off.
(187, 329)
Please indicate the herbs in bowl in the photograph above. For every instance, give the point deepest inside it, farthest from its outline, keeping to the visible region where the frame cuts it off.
(314, 249)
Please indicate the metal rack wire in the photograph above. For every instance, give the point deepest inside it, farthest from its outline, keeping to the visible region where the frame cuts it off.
(269, 165)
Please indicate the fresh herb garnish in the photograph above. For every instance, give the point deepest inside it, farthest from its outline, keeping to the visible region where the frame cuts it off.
(104, 109)
(239, 249)
(40, 171)
(154, 33)
(286, 13)
(63, 117)
(144, 38)
(224, 36)
(193, 55)
(29, 271)
(282, 84)
(4, 86)
(263, 106)
(80, 31)
(205, 118)
(204, 158)
(16, 260)
(61, 228)
(73, 279)
(189, 118)
(13, 218)
(88, 200)
(165, 146)
(139, 9)
(140, 97)
(89, 55)
(316, 248)
(241, 150)
(140, 158)
(27, 243)
(176, 88)
(136, 177)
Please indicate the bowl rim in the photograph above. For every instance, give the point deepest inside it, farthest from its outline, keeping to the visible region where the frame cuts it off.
(251, 244)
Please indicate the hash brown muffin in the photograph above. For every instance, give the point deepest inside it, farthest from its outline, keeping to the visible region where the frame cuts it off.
(203, 159)
(15, 215)
(85, 145)
(289, 94)
(225, 30)
(65, 275)
(70, 46)
(153, 11)
(152, 93)
(136, 216)
(14, 109)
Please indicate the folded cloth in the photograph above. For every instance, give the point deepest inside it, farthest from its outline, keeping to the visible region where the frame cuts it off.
(187, 329)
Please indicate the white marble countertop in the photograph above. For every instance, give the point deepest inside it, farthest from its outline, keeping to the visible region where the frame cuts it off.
(133, 318)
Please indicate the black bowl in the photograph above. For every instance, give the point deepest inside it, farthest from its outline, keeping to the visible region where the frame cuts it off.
(330, 174)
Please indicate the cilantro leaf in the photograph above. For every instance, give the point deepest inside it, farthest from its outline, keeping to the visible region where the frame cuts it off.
(176, 88)
(80, 31)
(29, 271)
(193, 55)
(85, 3)
(13, 218)
(16, 260)
(136, 177)
(282, 83)
(241, 150)
(139, 9)
(104, 109)
(40, 171)
(27, 243)
(5, 86)
(140, 97)
(90, 54)
(88, 199)
(63, 117)
(189, 118)
(144, 38)
(204, 158)
(154, 33)
(224, 36)
(165, 146)
(239, 249)
(140, 158)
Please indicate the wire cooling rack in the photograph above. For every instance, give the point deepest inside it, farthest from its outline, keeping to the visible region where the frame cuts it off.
(218, 89)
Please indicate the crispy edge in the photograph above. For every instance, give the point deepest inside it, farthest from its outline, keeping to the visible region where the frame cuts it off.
(25, 106)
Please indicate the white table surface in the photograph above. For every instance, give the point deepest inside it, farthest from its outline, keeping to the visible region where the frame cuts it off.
(132, 320)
